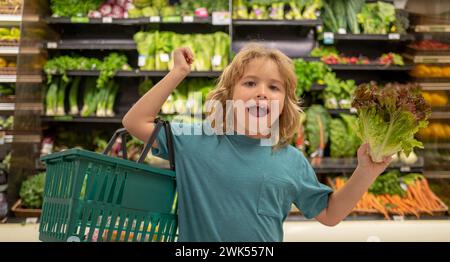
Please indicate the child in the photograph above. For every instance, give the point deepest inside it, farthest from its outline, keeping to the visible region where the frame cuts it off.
(232, 188)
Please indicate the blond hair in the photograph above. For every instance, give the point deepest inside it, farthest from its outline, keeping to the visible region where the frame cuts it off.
(289, 119)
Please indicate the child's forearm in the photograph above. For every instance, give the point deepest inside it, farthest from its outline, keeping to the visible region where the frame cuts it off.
(342, 202)
(139, 119)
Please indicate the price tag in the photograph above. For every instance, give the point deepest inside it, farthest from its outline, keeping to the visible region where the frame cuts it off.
(188, 19)
(216, 60)
(342, 31)
(77, 19)
(107, 20)
(398, 218)
(394, 36)
(155, 19)
(353, 110)
(31, 220)
(328, 38)
(52, 45)
(221, 18)
(405, 169)
(171, 19)
(164, 58)
(142, 59)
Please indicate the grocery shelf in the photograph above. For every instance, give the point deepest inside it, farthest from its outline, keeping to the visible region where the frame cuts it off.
(9, 50)
(437, 145)
(430, 86)
(8, 78)
(93, 44)
(129, 21)
(79, 119)
(330, 165)
(341, 111)
(370, 67)
(445, 174)
(138, 73)
(317, 87)
(7, 106)
(440, 115)
(10, 19)
(374, 37)
(305, 22)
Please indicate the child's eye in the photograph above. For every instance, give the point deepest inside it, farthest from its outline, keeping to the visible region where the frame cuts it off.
(250, 83)
(274, 88)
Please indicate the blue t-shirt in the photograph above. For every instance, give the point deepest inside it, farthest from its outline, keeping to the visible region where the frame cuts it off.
(230, 188)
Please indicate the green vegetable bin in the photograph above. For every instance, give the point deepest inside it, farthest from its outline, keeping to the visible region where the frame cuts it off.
(95, 197)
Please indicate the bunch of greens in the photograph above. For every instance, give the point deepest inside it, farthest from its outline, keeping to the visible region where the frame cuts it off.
(61, 8)
(108, 68)
(342, 14)
(155, 49)
(389, 117)
(32, 191)
(59, 65)
(338, 93)
(377, 18)
(324, 51)
(277, 10)
(317, 128)
(388, 183)
(309, 73)
(343, 138)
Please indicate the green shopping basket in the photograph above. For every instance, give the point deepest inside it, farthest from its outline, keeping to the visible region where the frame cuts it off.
(90, 196)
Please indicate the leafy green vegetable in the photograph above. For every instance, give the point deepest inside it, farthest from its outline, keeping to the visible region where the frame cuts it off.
(51, 98)
(73, 96)
(324, 51)
(389, 117)
(317, 128)
(109, 67)
(388, 183)
(343, 138)
(309, 73)
(377, 18)
(71, 8)
(338, 93)
(32, 191)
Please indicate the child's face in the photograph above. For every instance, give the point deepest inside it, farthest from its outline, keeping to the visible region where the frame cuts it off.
(262, 91)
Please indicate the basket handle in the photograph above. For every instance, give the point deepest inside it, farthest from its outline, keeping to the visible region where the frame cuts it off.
(122, 132)
(169, 139)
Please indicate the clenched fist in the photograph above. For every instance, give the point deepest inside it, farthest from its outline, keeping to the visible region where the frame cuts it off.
(182, 60)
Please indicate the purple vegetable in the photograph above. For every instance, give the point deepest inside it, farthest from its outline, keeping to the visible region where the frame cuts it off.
(106, 9)
(118, 11)
(122, 3)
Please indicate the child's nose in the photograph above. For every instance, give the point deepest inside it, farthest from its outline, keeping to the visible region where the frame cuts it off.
(262, 92)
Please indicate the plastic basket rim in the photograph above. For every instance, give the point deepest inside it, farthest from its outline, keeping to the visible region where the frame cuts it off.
(115, 160)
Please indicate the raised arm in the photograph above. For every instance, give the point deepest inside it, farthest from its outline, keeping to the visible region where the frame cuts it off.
(342, 202)
(139, 119)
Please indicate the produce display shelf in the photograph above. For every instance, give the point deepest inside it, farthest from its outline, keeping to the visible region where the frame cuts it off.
(444, 174)
(9, 50)
(330, 165)
(432, 28)
(437, 145)
(317, 87)
(374, 37)
(7, 106)
(309, 58)
(374, 67)
(440, 115)
(8, 78)
(305, 22)
(93, 44)
(335, 112)
(129, 21)
(138, 73)
(10, 19)
(78, 119)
